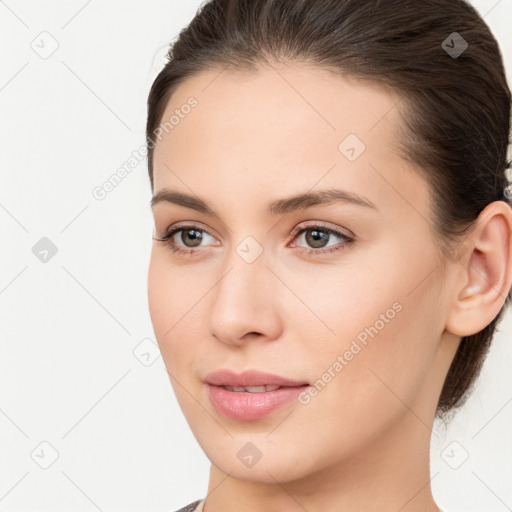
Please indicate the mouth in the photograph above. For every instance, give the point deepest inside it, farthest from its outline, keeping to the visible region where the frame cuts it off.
(251, 395)
(250, 403)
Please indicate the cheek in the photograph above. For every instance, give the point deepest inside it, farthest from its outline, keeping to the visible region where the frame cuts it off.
(174, 310)
(169, 289)
(165, 301)
(157, 298)
(385, 325)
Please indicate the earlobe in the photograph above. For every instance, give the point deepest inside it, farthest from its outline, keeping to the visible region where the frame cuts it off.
(487, 272)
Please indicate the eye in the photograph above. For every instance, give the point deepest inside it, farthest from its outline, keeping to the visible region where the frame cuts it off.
(316, 235)
(189, 234)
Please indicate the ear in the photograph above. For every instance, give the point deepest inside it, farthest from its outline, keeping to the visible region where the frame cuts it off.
(486, 272)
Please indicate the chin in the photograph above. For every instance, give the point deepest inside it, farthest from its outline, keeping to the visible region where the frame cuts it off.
(257, 458)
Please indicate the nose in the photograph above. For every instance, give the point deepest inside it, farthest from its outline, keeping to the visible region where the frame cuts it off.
(245, 303)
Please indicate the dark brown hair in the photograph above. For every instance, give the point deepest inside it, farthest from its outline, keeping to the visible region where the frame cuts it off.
(455, 108)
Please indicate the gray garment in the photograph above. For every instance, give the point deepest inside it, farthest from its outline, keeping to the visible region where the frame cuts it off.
(190, 507)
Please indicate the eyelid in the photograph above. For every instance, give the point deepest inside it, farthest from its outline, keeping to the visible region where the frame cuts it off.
(190, 225)
(319, 224)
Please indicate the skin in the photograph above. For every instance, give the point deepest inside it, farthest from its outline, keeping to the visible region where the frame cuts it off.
(362, 443)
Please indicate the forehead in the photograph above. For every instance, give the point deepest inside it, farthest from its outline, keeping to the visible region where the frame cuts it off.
(283, 100)
(283, 124)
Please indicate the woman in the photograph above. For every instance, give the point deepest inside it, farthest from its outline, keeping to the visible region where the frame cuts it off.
(332, 244)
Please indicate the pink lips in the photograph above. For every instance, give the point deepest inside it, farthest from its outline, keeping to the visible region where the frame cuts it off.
(245, 405)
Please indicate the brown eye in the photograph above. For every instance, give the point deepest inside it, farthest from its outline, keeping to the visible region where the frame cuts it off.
(190, 237)
(193, 235)
(317, 237)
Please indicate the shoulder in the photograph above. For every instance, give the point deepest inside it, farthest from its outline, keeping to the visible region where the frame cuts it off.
(191, 507)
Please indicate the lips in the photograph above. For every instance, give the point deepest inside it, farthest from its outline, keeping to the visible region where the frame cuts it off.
(250, 378)
(250, 406)
(251, 395)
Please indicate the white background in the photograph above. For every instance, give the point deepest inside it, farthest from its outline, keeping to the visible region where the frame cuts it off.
(69, 376)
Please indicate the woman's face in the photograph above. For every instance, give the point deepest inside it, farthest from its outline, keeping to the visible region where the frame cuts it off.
(274, 291)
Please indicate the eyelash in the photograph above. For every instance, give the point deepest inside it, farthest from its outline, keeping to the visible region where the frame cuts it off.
(167, 239)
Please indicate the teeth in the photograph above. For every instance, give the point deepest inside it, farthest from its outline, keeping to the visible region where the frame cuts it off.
(251, 389)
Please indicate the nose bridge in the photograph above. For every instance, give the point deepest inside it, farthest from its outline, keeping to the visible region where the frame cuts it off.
(245, 270)
(243, 301)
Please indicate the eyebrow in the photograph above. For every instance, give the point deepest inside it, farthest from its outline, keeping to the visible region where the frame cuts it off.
(276, 207)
